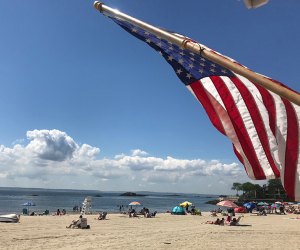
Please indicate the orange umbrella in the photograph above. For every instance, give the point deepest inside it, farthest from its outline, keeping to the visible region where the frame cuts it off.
(134, 203)
(227, 204)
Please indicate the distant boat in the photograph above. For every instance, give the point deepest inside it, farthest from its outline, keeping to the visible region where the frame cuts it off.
(13, 218)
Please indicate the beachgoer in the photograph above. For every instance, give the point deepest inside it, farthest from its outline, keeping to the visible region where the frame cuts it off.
(58, 212)
(222, 221)
(281, 209)
(216, 222)
(235, 222)
(187, 208)
(75, 223)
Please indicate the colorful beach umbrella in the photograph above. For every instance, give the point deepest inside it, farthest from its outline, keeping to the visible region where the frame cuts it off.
(262, 203)
(186, 203)
(249, 205)
(227, 204)
(134, 203)
(28, 204)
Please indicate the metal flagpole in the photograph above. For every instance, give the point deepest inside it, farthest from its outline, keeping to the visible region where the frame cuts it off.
(286, 93)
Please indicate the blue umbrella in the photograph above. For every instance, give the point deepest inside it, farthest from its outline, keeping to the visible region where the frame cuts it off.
(249, 205)
(28, 204)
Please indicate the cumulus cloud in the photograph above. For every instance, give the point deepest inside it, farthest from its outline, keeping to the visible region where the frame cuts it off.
(52, 154)
(51, 145)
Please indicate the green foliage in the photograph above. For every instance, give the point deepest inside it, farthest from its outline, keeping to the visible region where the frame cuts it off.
(237, 186)
(273, 189)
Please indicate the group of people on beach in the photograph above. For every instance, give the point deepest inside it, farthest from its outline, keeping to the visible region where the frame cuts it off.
(229, 221)
(144, 212)
(62, 212)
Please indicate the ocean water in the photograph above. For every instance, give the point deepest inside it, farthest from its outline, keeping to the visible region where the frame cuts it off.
(12, 200)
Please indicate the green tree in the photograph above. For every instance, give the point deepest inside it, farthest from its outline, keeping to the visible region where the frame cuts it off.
(258, 191)
(275, 188)
(248, 189)
(237, 186)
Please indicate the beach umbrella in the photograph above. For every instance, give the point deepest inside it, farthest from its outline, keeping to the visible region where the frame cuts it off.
(240, 210)
(249, 205)
(186, 203)
(227, 204)
(262, 203)
(134, 203)
(28, 204)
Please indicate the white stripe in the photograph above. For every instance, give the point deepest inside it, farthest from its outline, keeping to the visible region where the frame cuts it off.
(273, 143)
(218, 105)
(281, 131)
(250, 128)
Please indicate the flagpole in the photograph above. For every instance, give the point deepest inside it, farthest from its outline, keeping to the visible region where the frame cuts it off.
(286, 93)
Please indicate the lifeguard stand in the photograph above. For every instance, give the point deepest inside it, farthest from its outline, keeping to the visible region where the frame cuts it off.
(86, 205)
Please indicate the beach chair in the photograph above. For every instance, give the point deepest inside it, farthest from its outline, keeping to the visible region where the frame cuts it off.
(102, 216)
(25, 211)
(153, 214)
(198, 212)
(46, 212)
(83, 223)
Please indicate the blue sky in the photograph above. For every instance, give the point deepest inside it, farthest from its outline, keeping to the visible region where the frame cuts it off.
(85, 105)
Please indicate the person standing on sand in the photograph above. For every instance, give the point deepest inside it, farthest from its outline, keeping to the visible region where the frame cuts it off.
(187, 208)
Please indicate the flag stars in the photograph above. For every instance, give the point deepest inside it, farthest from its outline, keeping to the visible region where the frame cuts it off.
(181, 53)
(178, 71)
(213, 65)
(224, 71)
(189, 76)
(159, 44)
(201, 71)
(180, 61)
(212, 70)
(203, 59)
(134, 30)
(146, 33)
(148, 40)
(202, 64)
(170, 58)
(160, 53)
(191, 65)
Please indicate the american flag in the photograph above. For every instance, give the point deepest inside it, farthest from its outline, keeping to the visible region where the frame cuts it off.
(262, 126)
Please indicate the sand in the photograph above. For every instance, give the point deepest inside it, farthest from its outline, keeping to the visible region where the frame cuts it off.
(165, 231)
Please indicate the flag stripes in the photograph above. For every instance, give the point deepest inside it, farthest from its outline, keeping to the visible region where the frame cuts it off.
(263, 127)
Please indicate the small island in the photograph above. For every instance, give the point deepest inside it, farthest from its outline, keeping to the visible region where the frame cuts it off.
(131, 194)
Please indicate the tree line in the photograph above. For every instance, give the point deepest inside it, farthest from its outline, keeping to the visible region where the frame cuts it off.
(272, 190)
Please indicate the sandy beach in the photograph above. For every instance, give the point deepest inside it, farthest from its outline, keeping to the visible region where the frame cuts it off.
(165, 231)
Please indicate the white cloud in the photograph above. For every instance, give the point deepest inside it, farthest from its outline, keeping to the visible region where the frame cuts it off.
(138, 152)
(52, 157)
(51, 144)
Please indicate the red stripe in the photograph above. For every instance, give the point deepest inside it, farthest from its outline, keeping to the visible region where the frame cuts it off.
(269, 103)
(257, 121)
(239, 127)
(292, 150)
(201, 95)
